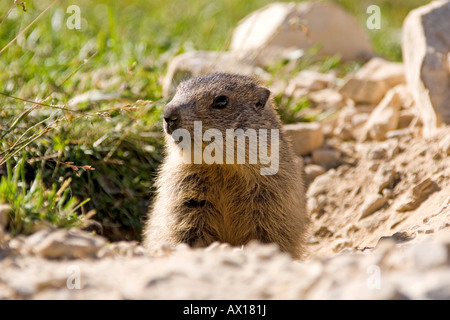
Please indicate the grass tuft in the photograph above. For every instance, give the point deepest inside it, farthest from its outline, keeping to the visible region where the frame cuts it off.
(34, 204)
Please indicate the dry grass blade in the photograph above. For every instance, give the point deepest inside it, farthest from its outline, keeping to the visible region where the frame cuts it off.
(6, 14)
(16, 121)
(27, 27)
(19, 140)
(74, 167)
(26, 143)
(63, 187)
(53, 106)
(128, 127)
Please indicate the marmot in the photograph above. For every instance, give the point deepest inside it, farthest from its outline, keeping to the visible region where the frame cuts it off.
(199, 203)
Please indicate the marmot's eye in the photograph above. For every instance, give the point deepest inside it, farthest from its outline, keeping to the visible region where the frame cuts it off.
(220, 102)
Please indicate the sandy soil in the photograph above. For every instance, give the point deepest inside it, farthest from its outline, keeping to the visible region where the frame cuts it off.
(380, 231)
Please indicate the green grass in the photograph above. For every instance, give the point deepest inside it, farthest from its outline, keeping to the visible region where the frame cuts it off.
(37, 205)
(122, 50)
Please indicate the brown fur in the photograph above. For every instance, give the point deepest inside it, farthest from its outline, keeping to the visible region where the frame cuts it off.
(198, 204)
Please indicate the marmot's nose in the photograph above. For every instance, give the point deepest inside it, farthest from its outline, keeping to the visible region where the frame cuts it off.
(171, 117)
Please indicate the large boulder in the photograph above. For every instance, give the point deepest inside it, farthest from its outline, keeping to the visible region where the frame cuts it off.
(426, 55)
(279, 28)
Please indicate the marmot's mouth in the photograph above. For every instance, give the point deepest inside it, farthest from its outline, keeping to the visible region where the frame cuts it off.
(169, 126)
(166, 128)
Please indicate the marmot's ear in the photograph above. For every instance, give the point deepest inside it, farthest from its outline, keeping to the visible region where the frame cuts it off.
(262, 95)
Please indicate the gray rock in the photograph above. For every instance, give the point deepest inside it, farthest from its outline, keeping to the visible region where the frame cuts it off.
(378, 152)
(327, 158)
(441, 292)
(426, 47)
(398, 237)
(414, 270)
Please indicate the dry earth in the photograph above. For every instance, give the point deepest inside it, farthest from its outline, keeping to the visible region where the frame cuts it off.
(399, 187)
(361, 247)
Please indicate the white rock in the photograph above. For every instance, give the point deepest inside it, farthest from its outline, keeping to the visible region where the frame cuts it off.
(350, 122)
(385, 176)
(372, 204)
(327, 99)
(444, 145)
(305, 136)
(312, 171)
(428, 254)
(359, 119)
(64, 243)
(316, 204)
(280, 28)
(309, 80)
(425, 47)
(370, 83)
(126, 249)
(384, 117)
(321, 184)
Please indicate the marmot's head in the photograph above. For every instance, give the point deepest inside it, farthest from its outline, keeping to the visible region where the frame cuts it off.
(220, 101)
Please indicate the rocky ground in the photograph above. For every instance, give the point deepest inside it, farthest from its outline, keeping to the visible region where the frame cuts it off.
(391, 271)
(380, 230)
(377, 168)
(399, 187)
